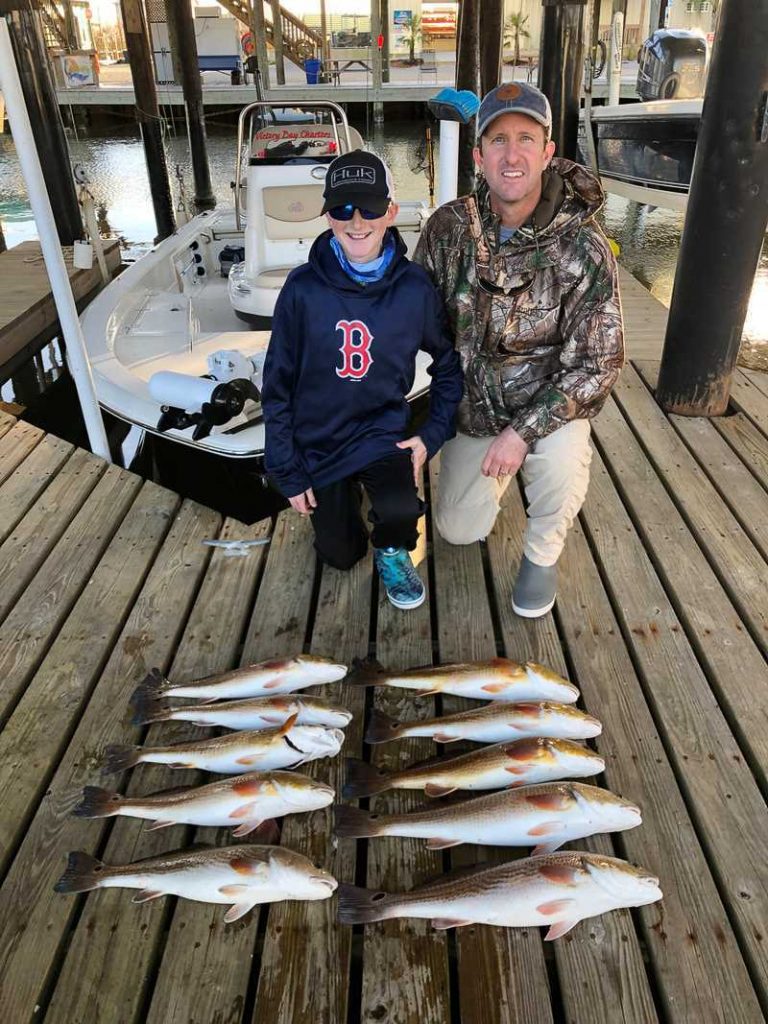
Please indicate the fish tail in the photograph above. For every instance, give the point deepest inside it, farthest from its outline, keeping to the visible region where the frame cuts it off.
(148, 708)
(82, 873)
(98, 803)
(152, 687)
(361, 906)
(118, 757)
(365, 672)
(364, 779)
(382, 727)
(354, 823)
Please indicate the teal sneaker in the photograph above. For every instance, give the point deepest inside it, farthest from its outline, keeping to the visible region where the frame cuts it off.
(401, 581)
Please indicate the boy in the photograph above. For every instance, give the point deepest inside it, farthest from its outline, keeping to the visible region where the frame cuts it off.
(341, 359)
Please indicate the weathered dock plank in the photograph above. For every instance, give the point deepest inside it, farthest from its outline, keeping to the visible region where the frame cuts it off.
(732, 555)
(23, 553)
(600, 968)
(405, 962)
(735, 482)
(302, 939)
(27, 632)
(696, 959)
(34, 920)
(747, 442)
(37, 733)
(731, 660)
(109, 921)
(20, 492)
(15, 445)
(720, 791)
(506, 961)
(208, 965)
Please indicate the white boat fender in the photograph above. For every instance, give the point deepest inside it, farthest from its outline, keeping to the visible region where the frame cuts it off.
(199, 402)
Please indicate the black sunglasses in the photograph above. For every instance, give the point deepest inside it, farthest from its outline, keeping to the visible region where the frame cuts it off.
(348, 212)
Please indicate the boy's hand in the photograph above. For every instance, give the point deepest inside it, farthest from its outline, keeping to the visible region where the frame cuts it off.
(304, 503)
(418, 454)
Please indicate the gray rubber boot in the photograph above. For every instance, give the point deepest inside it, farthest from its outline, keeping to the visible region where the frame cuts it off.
(535, 589)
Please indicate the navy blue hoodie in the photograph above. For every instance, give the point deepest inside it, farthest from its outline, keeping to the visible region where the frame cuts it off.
(340, 362)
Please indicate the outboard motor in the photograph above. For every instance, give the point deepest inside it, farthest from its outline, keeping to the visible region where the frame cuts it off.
(208, 401)
(672, 65)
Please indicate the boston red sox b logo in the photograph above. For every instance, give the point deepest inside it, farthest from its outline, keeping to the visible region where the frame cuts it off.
(355, 349)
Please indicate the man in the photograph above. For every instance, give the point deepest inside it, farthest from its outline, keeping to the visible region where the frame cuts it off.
(531, 291)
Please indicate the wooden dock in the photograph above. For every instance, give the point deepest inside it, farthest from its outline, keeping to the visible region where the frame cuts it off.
(662, 621)
(28, 318)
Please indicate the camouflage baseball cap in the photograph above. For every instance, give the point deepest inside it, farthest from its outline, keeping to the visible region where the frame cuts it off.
(514, 98)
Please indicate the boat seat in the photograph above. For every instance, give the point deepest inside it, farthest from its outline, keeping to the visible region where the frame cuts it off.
(293, 211)
(273, 278)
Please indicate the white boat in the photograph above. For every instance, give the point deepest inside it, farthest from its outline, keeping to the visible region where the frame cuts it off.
(645, 151)
(173, 342)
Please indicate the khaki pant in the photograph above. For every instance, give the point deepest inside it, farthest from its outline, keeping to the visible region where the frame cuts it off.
(555, 476)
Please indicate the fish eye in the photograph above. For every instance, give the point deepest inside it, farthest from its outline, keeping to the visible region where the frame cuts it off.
(378, 897)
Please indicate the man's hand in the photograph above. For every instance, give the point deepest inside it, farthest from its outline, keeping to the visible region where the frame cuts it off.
(304, 503)
(505, 455)
(418, 454)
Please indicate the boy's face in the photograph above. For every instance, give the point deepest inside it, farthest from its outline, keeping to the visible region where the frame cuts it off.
(362, 239)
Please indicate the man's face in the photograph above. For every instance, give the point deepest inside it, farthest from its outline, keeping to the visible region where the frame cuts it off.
(362, 239)
(512, 153)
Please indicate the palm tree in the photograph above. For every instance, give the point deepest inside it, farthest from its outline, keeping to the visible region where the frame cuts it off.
(515, 30)
(412, 32)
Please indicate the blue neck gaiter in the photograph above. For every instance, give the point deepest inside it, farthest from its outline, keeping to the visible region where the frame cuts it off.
(379, 266)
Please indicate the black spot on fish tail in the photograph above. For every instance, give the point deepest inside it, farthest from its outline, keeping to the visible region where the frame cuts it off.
(82, 873)
(361, 906)
(152, 686)
(365, 672)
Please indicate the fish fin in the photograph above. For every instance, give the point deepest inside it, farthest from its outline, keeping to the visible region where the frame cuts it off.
(444, 737)
(544, 848)
(556, 931)
(146, 895)
(235, 889)
(267, 832)
(269, 685)
(546, 828)
(148, 708)
(118, 757)
(361, 906)
(433, 790)
(443, 844)
(208, 700)
(98, 803)
(364, 779)
(365, 672)
(441, 923)
(182, 764)
(355, 823)
(428, 693)
(238, 910)
(246, 760)
(288, 724)
(152, 687)
(555, 907)
(516, 770)
(560, 874)
(273, 719)
(495, 687)
(81, 875)
(382, 727)
(158, 824)
(245, 811)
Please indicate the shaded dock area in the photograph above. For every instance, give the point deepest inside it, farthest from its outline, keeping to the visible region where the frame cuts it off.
(661, 620)
(28, 317)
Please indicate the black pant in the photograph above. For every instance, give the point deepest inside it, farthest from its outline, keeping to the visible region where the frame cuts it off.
(341, 538)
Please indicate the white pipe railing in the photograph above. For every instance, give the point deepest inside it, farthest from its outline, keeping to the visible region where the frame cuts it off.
(49, 243)
(448, 169)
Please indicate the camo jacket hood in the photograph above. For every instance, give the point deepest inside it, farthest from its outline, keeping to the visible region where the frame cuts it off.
(537, 319)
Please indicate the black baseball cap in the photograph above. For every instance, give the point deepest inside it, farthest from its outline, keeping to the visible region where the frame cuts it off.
(358, 179)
